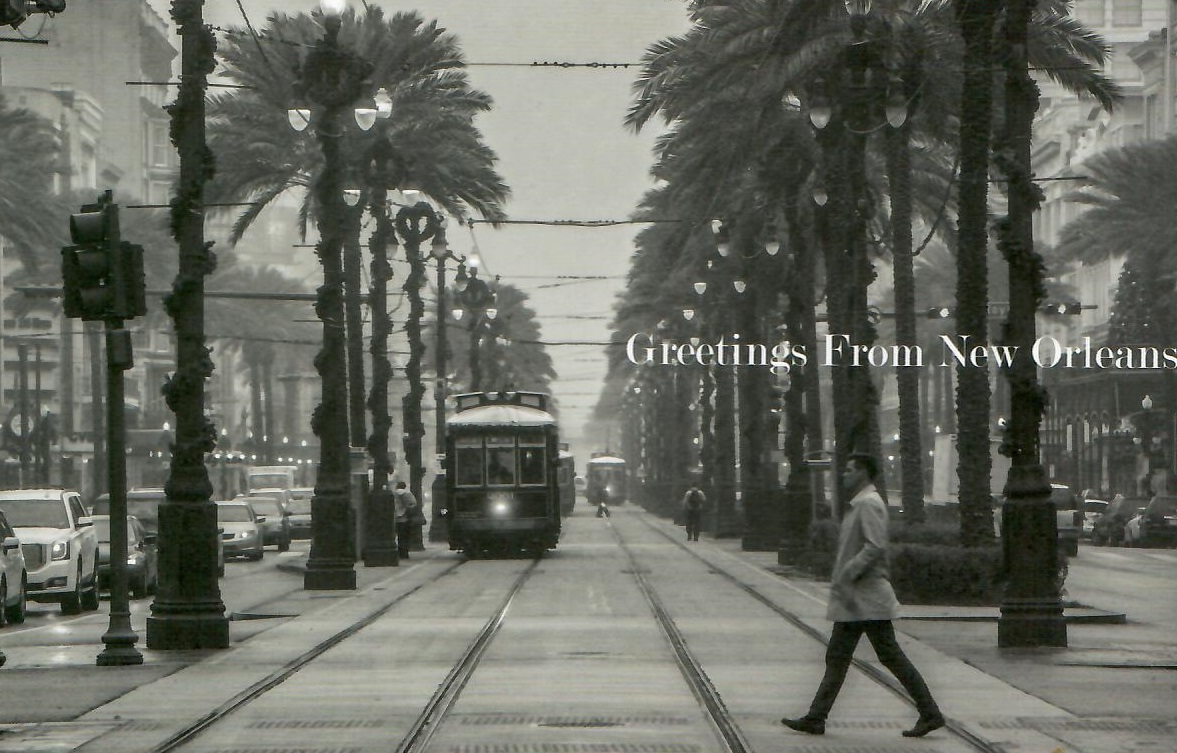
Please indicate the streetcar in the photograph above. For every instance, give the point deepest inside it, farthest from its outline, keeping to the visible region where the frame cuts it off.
(566, 478)
(502, 484)
(606, 473)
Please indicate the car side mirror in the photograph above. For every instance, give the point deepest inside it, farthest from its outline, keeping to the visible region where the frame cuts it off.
(85, 521)
(10, 544)
(261, 519)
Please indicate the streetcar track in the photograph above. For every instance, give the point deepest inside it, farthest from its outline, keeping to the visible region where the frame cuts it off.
(692, 671)
(442, 702)
(276, 678)
(879, 676)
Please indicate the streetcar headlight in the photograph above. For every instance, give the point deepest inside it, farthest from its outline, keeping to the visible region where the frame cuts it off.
(500, 508)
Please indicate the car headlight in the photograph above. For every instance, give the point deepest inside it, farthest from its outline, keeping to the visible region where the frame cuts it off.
(59, 550)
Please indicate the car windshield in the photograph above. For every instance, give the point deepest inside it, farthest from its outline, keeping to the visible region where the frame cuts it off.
(299, 507)
(264, 506)
(35, 513)
(1094, 505)
(102, 528)
(233, 514)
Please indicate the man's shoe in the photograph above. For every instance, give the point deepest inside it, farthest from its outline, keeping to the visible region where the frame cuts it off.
(808, 726)
(925, 725)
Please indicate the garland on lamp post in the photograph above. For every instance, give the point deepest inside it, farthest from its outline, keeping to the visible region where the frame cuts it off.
(415, 224)
(188, 612)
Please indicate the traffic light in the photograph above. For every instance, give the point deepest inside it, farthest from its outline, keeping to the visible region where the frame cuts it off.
(88, 268)
(102, 275)
(1069, 308)
(13, 12)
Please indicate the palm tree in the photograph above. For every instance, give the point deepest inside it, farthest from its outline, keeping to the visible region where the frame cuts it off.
(431, 136)
(31, 217)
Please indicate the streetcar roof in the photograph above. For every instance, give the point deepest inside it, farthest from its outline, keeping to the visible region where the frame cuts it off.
(502, 415)
(607, 459)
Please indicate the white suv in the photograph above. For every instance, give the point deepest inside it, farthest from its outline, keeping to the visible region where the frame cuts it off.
(59, 544)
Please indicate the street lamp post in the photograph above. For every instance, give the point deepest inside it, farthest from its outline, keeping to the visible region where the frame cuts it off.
(864, 85)
(188, 612)
(475, 297)
(415, 224)
(1031, 604)
(333, 79)
(438, 524)
(379, 520)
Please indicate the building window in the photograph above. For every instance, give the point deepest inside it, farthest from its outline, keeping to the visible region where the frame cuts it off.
(1088, 12)
(1126, 13)
(159, 145)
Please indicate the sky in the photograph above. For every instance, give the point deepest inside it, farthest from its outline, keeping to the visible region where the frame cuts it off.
(564, 151)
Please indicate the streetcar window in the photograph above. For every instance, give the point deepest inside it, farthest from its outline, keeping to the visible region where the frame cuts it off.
(500, 466)
(468, 462)
(531, 465)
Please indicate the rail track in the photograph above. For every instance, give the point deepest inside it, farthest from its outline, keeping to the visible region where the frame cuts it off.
(417, 734)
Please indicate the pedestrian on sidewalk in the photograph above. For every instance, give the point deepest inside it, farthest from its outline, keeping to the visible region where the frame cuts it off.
(692, 507)
(863, 601)
(403, 505)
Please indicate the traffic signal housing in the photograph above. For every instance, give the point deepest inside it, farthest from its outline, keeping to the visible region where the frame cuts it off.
(1067, 308)
(102, 275)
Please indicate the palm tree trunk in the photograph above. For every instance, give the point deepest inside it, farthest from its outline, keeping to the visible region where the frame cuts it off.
(906, 377)
(972, 390)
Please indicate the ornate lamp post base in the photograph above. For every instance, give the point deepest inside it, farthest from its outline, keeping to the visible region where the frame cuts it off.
(325, 577)
(380, 530)
(1031, 610)
(189, 631)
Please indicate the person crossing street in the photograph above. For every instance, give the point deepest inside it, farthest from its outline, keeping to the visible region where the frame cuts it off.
(862, 601)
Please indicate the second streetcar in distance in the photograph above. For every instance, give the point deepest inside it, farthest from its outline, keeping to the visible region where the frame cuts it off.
(606, 474)
(502, 488)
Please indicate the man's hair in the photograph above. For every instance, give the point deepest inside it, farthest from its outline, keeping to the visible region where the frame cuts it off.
(866, 462)
(400, 484)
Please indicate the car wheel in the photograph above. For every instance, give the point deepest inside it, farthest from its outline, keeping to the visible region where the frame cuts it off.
(90, 595)
(72, 603)
(255, 556)
(16, 612)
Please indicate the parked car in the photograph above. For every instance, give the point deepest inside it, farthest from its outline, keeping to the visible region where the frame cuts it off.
(271, 503)
(1132, 528)
(1158, 524)
(1092, 510)
(142, 558)
(241, 529)
(299, 508)
(59, 545)
(13, 576)
(1068, 518)
(1109, 528)
(143, 503)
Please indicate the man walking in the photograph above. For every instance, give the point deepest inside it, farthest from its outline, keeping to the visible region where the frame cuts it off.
(403, 505)
(692, 505)
(862, 601)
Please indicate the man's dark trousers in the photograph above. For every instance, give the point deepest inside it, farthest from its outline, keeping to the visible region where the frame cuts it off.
(694, 523)
(840, 652)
